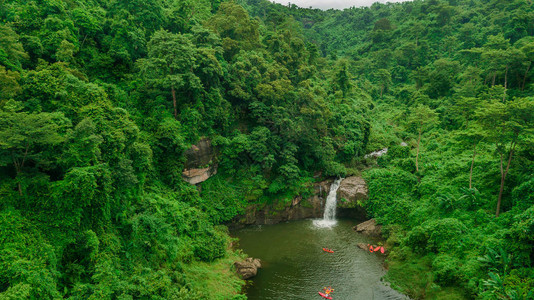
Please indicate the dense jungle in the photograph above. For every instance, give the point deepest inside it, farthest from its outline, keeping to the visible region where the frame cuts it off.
(100, 100)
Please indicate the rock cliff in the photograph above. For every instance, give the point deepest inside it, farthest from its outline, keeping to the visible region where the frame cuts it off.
(300, 208)
(199, 164)
(351, 191)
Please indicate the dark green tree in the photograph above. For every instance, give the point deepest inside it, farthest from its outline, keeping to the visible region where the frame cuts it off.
(507, 125)
(170, 64)
(23, 137)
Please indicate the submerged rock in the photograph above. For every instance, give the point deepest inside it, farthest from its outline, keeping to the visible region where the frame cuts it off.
(369, 228)
(247, 268)
(363, 246)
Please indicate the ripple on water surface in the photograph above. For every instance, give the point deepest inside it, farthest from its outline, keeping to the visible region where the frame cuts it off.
(296, 267)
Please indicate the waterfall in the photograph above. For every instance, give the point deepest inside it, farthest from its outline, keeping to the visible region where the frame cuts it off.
(329, 216)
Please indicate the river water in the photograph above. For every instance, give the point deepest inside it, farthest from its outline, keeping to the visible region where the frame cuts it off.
(294, 266)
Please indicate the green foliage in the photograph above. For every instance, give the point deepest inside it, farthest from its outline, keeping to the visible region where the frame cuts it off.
(223, 200)
(451, 80)
(436, 235)
(26, 271)
(99, 101)
(523, 195)
(391, 190)
(445, 269)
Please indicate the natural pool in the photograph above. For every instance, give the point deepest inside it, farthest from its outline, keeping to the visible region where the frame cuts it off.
(294, 266)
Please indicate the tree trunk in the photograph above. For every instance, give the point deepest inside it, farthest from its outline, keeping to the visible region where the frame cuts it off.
(503, 177)
(472, 164)
(493, 80)
(505, 84)
(525, 77)
(19, 165)
(417, 154)
(174, 102)
(500, 191)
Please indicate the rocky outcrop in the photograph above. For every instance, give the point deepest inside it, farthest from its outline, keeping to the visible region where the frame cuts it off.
(194, 176)
(369, 228)
(376, 154)
(312, 207)
(199, 162)
(247, 268)
(350, 191)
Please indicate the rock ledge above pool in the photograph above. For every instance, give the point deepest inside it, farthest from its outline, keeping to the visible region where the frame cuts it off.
(369, 228)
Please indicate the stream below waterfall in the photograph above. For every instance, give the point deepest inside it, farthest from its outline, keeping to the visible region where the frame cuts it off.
(294, 266)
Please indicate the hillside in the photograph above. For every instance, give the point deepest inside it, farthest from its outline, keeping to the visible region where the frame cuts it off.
(453, 80)
(100, 100)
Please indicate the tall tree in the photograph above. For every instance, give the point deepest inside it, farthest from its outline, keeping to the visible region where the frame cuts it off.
(170, 64)
(507, 125)
(422, 118)
(236, 29)
(528, 50)
(384, 78)
(23, 136)
(466, 107)
(472, 137)
(12, 53)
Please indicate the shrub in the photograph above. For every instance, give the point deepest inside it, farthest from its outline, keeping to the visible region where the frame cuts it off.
(446, 270)
(523, 195)
(439, 236)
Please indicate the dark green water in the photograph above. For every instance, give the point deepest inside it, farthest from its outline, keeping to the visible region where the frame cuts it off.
(296, 267)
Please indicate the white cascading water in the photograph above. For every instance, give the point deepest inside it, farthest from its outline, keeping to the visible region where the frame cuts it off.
(329, 216)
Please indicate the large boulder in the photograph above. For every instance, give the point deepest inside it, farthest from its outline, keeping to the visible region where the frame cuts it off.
(247, 268)
(369, 227)
(350, 191)
(194, 176)
(199, 165)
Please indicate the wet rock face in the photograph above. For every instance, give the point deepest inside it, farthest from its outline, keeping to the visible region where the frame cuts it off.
(311, 207)
(350, 191)
(247, 268)
(199, 162)
(300, 208)
(369, 228)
